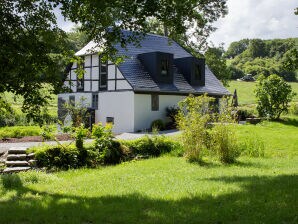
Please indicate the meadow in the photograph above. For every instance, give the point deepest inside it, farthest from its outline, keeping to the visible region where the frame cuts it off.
(167, 189)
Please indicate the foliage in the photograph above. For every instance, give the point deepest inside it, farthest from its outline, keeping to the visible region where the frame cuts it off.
(294, 109)
(19, 131)
(158, 125)
(217, 64)
(152, 146)
(256, 57)
(31, 53)
(182, 19)
(47, 132)
(192, 120)
(253, 146)
(77, 111)
(274, 96)
(61, 157)
(236, 73)
(223, 137)
(111, 151)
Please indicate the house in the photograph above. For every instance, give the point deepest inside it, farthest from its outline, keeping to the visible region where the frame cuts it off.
(136, 92)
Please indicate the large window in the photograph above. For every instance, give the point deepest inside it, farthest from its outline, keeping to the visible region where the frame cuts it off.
(164, 67)
(154, 102)
(198, 75)
(103, 73)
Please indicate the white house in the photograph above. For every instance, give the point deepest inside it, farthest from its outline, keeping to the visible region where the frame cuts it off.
(136, 92)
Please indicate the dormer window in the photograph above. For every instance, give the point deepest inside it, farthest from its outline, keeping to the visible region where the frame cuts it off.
(164, 67)
(198, 75)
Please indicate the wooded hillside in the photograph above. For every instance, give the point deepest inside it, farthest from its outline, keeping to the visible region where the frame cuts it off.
(256, 56)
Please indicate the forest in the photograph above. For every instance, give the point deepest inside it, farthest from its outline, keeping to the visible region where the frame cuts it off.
(257, 56)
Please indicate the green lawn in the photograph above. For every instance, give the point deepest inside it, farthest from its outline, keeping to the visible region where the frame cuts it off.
(245, 91)
(166, 189)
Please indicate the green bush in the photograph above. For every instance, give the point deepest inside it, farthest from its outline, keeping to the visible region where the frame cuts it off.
(61, 157)
(294, 108)
(152, 146)
(158, 125)
(192, 120)
(19, 131)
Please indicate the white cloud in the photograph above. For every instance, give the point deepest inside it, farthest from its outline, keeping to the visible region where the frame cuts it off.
(265, 19)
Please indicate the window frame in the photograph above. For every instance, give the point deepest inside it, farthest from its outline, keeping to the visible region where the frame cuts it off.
(154, 102)
(95, 101)
(164, 62)
(102, 74)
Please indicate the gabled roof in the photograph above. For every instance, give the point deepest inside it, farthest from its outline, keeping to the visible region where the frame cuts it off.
(140, 80)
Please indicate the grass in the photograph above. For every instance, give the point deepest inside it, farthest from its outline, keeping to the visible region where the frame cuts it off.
(165, 189)
(245, 91)
(19, 131)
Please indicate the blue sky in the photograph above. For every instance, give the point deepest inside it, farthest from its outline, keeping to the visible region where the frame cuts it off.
(265, 19)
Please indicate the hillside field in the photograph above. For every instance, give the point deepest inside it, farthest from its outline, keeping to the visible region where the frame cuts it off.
(245, 91)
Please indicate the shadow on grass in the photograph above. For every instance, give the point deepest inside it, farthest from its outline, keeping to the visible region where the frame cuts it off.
(289, 121)
(258, 200)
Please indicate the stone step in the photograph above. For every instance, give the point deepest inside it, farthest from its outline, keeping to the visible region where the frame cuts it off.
(32, 162)
(15, 169)
(17, 163)
(14, 157)
(31, 155)
(17, 150)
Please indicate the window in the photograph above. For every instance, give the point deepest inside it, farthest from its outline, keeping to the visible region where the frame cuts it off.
(110, 120)
(103, 75)
(80, 84)
(95, 101)
(154, 102)
(198, 75)
(164, 67)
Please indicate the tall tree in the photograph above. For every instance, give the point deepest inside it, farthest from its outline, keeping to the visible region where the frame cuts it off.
(189, 21)
(218, 64)
(31, 44)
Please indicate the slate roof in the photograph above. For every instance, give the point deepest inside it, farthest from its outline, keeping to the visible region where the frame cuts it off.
(140, 80)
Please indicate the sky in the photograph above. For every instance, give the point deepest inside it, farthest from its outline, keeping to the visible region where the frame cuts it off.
(265, 19)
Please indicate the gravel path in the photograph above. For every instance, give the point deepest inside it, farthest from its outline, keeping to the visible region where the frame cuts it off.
(124, 136)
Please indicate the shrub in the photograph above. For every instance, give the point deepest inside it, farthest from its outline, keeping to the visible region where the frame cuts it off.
(157, 125)
(171, 113)
(294, 108)
(242, 114)
(152, 146)
(19, 131)
(111, 151)
(274, 96)
(192, 120)
(61, 157)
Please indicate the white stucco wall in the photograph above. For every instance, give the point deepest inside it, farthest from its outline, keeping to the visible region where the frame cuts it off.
(120, 106)
(143, 115)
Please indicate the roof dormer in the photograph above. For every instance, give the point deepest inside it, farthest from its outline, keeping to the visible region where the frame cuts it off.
(193, 69)
(159, 65)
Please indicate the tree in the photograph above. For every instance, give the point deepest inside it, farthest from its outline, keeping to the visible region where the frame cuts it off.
(236, 48)
(30, 53)
(217, 63)
(187, 21)
(256, 48)
(34, 50)
(274, 96)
